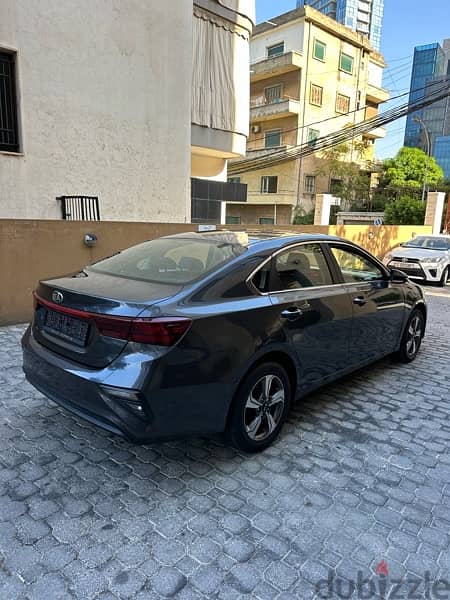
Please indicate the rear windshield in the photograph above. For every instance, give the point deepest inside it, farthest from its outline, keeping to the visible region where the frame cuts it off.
(430, 243)
(169, 260)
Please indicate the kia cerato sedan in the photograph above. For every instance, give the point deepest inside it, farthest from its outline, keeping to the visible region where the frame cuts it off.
(205, 333)
(425, 258)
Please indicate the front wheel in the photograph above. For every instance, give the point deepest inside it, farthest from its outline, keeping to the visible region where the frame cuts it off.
(444, 278)
(260, 408)
(412, 337)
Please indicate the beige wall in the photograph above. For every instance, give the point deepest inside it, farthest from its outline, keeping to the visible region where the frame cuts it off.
(34, 250)
(251, 213)
(104, 107)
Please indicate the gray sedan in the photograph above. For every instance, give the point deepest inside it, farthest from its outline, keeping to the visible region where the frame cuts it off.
(425, 258)
(206, 333)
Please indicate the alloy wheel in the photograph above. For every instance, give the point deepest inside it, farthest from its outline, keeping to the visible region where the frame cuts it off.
(414, 336)
(264, 407)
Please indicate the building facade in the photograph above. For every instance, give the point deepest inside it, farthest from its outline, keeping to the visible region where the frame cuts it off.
(112, 101)
(429, 127)
(310, 77)
(363, 16)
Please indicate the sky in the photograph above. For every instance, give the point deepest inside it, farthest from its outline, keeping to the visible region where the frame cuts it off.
(406, 23)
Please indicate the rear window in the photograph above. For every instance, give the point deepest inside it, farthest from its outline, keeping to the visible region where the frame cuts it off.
(169, 260)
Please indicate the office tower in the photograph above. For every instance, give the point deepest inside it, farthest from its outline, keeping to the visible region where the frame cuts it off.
(363, 16)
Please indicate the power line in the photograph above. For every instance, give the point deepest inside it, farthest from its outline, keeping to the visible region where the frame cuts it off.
(351, 112)
(339, 137)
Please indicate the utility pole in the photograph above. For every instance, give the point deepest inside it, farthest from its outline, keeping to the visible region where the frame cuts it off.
(418, 119)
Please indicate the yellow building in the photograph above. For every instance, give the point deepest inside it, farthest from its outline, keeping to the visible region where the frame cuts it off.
(310, 76)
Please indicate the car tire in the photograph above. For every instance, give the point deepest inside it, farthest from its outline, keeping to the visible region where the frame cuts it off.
(260, 407)
(412, 337)
(444, 278)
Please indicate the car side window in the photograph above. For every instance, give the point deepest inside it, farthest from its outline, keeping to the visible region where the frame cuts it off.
(300, 267)
(261, 278)
(355, 267)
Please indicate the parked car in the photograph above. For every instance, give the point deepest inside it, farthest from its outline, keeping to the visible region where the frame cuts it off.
(204, 333)
(425, 257)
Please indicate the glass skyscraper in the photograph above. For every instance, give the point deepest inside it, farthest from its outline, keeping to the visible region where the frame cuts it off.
(430, 71)
(363, 16)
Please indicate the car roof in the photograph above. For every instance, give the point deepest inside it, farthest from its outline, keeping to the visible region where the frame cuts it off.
(253, 239)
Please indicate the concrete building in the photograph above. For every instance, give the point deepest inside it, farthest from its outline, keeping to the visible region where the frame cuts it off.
(309, 77)
(120, 101)
(363, 16)
(429, 128)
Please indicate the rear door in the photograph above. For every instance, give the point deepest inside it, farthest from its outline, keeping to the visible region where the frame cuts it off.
(377, 303)
(315, 312)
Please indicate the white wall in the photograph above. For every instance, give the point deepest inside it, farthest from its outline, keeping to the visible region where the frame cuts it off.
(292, 36)
(104, 105)
(375, 74)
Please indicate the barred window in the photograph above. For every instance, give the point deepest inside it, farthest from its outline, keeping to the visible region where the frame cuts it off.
(9, 133)
(316, 95)
(342, 104)
(310, 183)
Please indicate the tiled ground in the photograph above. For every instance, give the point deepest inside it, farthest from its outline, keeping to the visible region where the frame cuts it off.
(361, 475)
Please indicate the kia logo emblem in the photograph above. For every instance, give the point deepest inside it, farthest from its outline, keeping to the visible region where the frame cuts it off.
(57, 297)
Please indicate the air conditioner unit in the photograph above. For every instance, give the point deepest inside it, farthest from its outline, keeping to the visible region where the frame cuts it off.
(255, 128)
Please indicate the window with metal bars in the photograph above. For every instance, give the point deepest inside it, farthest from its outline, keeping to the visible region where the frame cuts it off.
(316, 95)
(9, 132)
(80, 208)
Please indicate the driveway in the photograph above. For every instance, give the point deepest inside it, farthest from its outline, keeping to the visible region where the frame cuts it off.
(355, 495)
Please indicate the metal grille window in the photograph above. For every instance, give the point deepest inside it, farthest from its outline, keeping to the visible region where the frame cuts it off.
(346, 63)
(273, 93)
(269, 184)
(9, 134)
(275, 50)
(342, 104)
(230, 220)
(316, 95)
(310, 182)
(319, 50)
(80, 208)
(266, 221)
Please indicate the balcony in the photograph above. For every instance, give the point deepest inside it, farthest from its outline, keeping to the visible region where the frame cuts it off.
(376, 94)
(261, 109)
(275, 65)
(285, 198)
(375, 134)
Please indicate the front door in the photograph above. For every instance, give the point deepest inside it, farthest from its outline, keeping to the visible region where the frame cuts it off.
(314, 313)
(378, 304)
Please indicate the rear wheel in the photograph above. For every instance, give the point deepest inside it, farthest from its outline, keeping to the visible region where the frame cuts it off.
(412, 337)
(260, 408)
(444, 278)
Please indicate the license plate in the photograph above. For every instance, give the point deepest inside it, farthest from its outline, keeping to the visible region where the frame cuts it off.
(67, 328)
(403, 265)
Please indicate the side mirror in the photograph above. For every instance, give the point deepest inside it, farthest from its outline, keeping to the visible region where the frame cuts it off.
(398, 276)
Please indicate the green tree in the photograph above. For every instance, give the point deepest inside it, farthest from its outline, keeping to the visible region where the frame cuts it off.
(405, 211)
(407, 169)
(301, 217)
(342, 163)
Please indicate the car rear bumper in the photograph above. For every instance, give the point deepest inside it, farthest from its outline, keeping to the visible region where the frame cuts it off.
(164, 414)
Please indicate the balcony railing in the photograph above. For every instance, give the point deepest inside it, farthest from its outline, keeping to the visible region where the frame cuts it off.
(268, 66)
(261, 108)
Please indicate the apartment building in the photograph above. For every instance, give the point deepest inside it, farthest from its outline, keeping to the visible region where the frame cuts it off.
(309, 77)
(107, 109)
(363, 16)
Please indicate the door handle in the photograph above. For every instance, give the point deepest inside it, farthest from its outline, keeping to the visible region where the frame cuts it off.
(292, 313)
(360, 300)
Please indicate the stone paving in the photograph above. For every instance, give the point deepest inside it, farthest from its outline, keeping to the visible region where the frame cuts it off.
(357, 487)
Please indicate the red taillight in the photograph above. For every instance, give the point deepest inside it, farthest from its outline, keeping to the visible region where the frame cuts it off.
(160, 331)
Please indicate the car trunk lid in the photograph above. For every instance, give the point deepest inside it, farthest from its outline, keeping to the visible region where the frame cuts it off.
(87, 317)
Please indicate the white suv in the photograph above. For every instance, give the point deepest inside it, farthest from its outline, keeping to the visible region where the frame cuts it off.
(425, 257)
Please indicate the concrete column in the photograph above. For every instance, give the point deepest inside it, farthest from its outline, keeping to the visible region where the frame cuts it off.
(435, 207)
(322, 210)
(223, 213)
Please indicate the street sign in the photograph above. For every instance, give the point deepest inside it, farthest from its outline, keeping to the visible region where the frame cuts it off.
(378, 221)
(207, 228)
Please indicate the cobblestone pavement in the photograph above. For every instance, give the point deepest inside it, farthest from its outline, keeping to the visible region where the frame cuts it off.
(361, 475)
